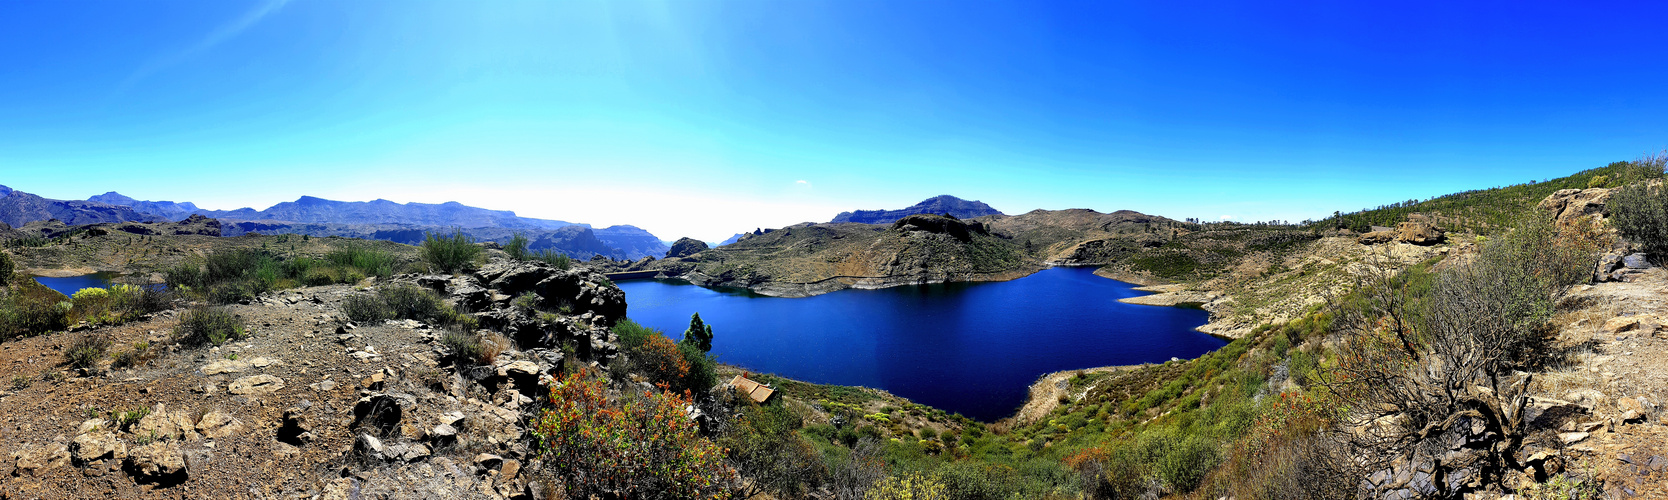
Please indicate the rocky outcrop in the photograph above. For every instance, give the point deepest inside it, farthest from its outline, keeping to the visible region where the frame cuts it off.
(1418, 233)
(1567, 205)
(581, 289)
(1616, 266)
(1376, 237)
(961, 231)
(685, 247)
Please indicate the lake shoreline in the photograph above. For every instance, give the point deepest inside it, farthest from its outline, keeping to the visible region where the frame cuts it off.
(970, 347)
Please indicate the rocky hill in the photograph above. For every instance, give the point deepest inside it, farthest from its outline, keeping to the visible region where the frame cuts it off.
(18, 208)
(939, 205)
(809, 259)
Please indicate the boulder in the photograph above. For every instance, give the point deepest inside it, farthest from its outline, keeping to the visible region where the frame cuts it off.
(1631, 410)
(1607, 264)
(99, 445)
(685, 247)
(219, 424)
(1418, 233)
(36, 459)
(1376, 237)
(1636, 261)
(161, 424)
(156, 462)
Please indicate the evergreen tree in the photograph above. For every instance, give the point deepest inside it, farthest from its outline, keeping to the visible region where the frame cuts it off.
(699, 334)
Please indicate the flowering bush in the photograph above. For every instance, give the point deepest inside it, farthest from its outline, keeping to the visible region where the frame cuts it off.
(638, 447)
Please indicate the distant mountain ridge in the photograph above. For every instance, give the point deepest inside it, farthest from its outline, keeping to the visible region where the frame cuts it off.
(407, 222)
(167, 209)
(18, 208)
(937, 205)
(319, 210)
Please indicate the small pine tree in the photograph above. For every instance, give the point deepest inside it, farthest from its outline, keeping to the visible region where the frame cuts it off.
(699, 333)
(6, 268)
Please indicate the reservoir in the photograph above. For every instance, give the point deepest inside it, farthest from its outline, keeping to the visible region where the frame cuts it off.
(971, 348)
(70, 284)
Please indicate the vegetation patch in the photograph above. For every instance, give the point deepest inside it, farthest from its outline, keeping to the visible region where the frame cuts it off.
(202, 326)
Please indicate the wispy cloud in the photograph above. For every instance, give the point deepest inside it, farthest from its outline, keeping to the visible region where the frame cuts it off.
(220, 34)
(802, 182)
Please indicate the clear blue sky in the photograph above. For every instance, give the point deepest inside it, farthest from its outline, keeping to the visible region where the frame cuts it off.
(704, 118)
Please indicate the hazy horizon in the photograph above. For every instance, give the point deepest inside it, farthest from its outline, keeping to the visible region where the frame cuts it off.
(706, 118)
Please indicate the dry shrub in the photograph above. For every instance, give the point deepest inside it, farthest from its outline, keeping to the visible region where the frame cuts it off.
(492, 345)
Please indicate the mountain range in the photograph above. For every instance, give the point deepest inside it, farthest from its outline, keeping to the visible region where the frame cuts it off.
(377, 219)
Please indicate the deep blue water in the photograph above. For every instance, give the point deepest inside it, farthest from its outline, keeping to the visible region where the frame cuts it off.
(72, 284)
(971, 348)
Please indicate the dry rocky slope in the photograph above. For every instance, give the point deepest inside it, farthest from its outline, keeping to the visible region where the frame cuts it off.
(308, 405)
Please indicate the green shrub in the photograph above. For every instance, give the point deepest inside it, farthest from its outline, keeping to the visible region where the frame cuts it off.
(208, 325)
(1184, 466)
(126, 419)
(86, 351)
(554, 258)
(367, 260)
(527, 301)
(461, 346)
(241, 291)
(365, 308)
(406, 301)
(1640, 213)
(184, 276)
(517, 247)
(1598, 181)
(631, 334)
(449, 253)
(30, 309)
(703, 369)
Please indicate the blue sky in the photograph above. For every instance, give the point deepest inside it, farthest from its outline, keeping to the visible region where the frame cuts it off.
(705, 118)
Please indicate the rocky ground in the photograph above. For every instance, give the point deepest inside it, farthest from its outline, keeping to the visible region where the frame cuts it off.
(309, 405)
(1615, 383)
